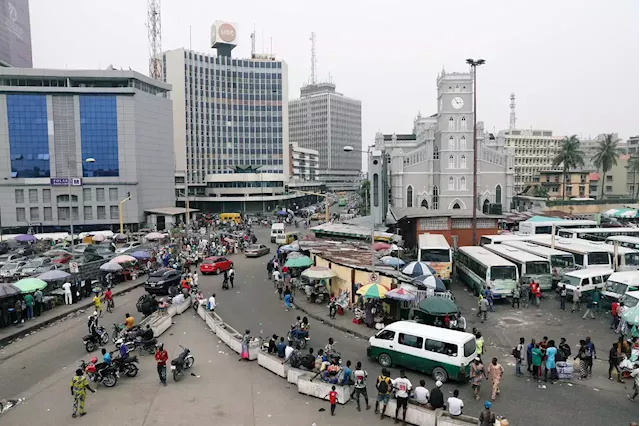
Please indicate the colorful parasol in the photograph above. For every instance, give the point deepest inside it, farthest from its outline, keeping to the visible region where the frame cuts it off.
(373, 291)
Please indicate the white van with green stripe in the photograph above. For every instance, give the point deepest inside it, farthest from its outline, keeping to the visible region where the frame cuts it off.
(443, 353)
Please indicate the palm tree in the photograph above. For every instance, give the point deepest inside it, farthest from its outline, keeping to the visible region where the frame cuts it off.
(570, 157)
(606, 157)
(632, 165)
(541, 192)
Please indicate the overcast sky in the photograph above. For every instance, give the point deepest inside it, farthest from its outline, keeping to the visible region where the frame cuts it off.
(573, 64)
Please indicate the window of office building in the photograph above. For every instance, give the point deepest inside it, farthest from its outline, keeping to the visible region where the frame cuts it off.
(99, 194)
(21, 215)
(34, 214)
(63, 213)
(86, 194)
(113, 194)
(33, 195)
(99, 133)
(46, 195)
(28, 135)
(88, 213)
(19, 193)
(48, 214)
(102, 212)
(113, 212)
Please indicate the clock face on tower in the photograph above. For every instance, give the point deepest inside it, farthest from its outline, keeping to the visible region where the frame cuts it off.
(457, 102)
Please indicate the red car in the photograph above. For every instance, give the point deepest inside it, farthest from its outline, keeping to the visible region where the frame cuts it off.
(62, 258)
(215, 265)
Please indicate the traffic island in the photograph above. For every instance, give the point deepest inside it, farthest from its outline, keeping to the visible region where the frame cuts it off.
(273, 364)
(321, 389)
(233, 339)
(212, 319)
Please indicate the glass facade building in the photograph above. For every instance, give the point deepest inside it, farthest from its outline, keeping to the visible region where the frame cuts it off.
(28, 135)
(99, 133)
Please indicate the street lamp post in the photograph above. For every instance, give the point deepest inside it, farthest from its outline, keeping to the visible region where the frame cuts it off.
(89, 161)
(349, 148)
(474, 63)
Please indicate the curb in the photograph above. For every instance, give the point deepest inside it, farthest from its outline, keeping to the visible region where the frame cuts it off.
(330, 324)
(4, 341)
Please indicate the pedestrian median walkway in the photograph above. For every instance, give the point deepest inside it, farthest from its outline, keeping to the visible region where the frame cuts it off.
(8, 334)
(320, 312)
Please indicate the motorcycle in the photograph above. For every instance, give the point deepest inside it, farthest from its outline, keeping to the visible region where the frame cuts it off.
(184, 361)
(106, 376)
(91, 343)
(127, 366)
(295, 341)
(148, 346)
(121, 332)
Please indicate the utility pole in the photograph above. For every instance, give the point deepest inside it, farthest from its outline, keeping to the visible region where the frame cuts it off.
(474, 63)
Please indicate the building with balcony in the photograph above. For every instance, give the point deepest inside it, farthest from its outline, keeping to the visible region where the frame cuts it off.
(304, 163)
(579, 183)
(53, 121)
(632, 145)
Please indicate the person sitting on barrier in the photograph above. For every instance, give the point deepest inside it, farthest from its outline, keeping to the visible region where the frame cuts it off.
(309, 360)
(281, 348)
(331, 373)
(295, 357)
(272, 345)
(421, 394)
(321, 361)
(346, 374)
(436, 399)
(147, 334)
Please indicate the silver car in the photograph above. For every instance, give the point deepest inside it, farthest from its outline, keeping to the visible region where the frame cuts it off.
(11, 269)
(31, 266)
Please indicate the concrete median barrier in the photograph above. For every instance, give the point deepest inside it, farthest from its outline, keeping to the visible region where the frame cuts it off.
(233, 339)
(416, 415)
(212, 320)
(293, 374)
(184, 305)
(445, 419)
(273, 364)
(202, 311)
(321, 389)
(159, 322)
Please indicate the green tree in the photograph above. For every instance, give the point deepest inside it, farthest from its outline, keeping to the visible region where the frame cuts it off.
(570, 157)
(364, 196)
(540, 191)
(632, 166)
(606, 157)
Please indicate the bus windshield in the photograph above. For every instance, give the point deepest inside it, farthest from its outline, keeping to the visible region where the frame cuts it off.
(631, 259)
(435, 255)
(562, 261)
(598, 258)
(503, 273)
(537, 268)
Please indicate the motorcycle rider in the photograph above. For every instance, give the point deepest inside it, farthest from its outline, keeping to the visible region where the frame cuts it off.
(92, 323)
(128, 321)
(301, 328)
(147, 334)
(124, 349)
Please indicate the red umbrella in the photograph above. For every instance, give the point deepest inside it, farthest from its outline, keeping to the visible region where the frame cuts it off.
(381, 246)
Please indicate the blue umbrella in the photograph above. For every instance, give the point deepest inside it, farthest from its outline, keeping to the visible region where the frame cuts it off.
(415, 269)
(283, 213)
(392, 261)
(141, 254)
(429, 281)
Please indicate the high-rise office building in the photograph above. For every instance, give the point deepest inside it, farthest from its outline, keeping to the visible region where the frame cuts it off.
(230, 125)
(15, 34)
(327, 121)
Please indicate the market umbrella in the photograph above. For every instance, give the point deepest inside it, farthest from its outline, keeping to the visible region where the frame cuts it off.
(438, 306)
(283, 213)
(123, 258)
(299, 262)
(294, 254)
(392, 261)
(415, 269)
(294, 246)
(98, 238)
(395, 247)
(110, 267)
(54, 275)
(429, 281)
(630, 316)
(8, 290)
(151, 236)
(319, 273)
(372, 291)
(25, 238)
(141, 254)
(381, 246)
(401, 294)
(29, 285)
(120, 237)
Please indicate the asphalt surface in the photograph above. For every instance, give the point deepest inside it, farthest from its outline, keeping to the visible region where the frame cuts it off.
(30, 363)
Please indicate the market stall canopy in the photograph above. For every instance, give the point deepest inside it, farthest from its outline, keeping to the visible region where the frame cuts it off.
(120, 237)
(626, 213)
(294, 246)
(381, 246)
(123, 258)
(152, 236)
(631, 316)
(110, 267)
(141, 254)
(98, 238)
(29, 285)
(429, 281)
(54, 275)
(299, 262)
(438, 306)
(392, 261)
(8, 290)
(294, 254)
(401, 294)
(319, 273)
(25, 238)
(415, 269)
(372, 291)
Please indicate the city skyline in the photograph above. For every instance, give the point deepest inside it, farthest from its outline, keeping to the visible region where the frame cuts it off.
(567, 78)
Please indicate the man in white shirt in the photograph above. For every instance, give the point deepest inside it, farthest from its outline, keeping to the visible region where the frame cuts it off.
(288, 351)
(455, 404)
(402, 385)
(212, 302)
(422, 393)
(67, 293)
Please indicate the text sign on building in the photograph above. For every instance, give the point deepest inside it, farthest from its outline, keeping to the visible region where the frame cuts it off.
(223, 32)
(65, 181)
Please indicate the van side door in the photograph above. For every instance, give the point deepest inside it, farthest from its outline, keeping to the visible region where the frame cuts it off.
(411, 352)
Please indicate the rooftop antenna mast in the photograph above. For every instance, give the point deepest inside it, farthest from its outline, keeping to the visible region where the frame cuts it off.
(312, 79)
(512, 116)
(154, 29)
(253, 42)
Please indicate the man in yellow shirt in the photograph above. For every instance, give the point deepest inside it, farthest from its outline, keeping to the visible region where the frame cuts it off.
(129, 321)
(79, 386)
(98, 304)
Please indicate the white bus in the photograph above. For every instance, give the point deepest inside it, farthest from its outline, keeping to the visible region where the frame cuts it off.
(627, 258)
(585, 257)
(561, 261)
(546, 227)
(597, 234)
(529, 265)
(478, 267)
(624, 241)
(502, 238)
(434, 250)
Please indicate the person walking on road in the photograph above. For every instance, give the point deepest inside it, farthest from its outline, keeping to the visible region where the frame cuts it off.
(487, 418)
(333, 399)
(360, 387)
(161, 360)
(591, 307)
(495, 373)
(97, 303)
(383, 385)
(232, 276)
(403, 386)
(67, 293)
(525, 294)
(38, 296)
(108, 298)
(582, 355)
(530, 347)
(614, 360)
(287, 300)
(28, 301)
(576, 300)
(519, 353)
(591, 352)
(614, 315)
(79, 386)
(477, 375)
(563, 297)
(246, 339)
(211, 304)
(550, 363)
(536, 362)
(515, 295)
(484, 308)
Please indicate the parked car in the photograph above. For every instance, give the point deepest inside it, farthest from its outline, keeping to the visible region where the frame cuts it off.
(4, 247)
(11, 269)
(9, 257)
(55, 252)
(46, 268)
(33, 264)
(26, 250)
(256, 250)
(215, 265)
(80, 248)
(128, 246)
(161, 280)
(62, 258)
(101, 249)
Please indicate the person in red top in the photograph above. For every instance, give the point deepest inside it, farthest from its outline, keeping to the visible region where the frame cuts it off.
(108, 297)
(161, 359)
(614, 314)
(333, 399)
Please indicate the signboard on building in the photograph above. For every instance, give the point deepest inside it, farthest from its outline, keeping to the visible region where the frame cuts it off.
(65, 181)
(223, 32)
(15, 34)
